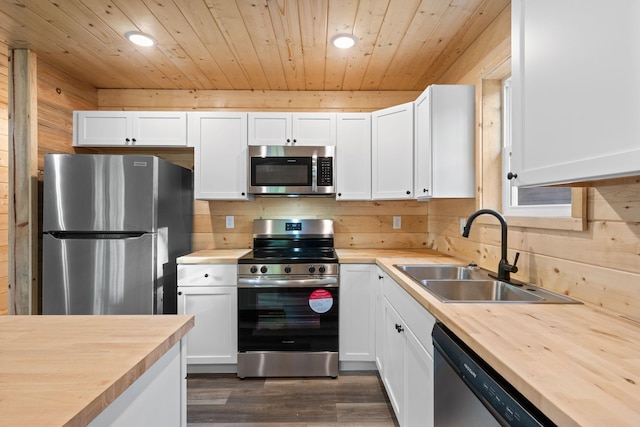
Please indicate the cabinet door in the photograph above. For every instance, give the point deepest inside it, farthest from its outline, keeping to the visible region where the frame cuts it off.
(571, 120)
(220, 155)
(357, 312)
(314, 128)
(354, 158)
(445, 142)
(392, 145)
(418, 392)
(270, 129)
(160, 129)
(214, 338)
(394, 369)
(102, 128)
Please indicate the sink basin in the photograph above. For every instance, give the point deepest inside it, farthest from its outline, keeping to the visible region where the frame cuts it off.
(421, 272)
(478, 290)
(455, 283)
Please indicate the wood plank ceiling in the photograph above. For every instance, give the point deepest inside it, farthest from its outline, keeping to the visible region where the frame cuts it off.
(249, 44)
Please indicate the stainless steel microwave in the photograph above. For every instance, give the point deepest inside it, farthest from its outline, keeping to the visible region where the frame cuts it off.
(292, 170)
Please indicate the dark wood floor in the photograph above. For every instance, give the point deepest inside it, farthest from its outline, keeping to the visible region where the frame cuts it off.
(353, 399)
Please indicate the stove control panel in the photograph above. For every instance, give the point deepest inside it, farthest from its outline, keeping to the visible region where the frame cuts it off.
(288, 269)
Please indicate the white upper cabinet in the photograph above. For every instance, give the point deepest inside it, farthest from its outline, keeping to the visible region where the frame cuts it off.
(220, 155)
(576, 90)
(445, 142)
(353, 156)
(392, 152)
(292, 129)
(130, 128)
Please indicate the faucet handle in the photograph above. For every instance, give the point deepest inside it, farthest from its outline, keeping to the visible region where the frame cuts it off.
(513, 268)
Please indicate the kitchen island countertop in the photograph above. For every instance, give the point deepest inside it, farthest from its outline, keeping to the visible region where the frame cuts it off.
(65, 370)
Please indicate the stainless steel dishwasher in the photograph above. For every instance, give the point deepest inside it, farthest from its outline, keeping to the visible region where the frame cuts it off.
(468, 392)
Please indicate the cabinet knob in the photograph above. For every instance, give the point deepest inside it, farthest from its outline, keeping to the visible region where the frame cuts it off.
(133, 139)
(339, 194)
(295, 140)
(424, 190)
(380, 277)
(127, 140)
(399, 328)
(206, 274)
(179, 292)
(510, 175)
(242, 194)
(408, 192)
(288, 140)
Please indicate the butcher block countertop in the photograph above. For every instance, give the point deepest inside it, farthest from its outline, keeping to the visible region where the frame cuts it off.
(213, 256)
(578, 363)
(65, 370)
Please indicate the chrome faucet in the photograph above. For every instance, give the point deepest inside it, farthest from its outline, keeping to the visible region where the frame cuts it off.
(504, 268)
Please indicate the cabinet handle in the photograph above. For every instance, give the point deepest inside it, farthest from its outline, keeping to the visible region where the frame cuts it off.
(206, 274)
(295, 140)
(380, 277)
(408, 191)
(179, 292)
(242, 194)
(399, 328)
(424, 190)
(510, 176)
(339, 194)
(133, 139)
(288, 140)
(127, 140)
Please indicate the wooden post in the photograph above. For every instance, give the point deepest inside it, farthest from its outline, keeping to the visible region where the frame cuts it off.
(23, 183)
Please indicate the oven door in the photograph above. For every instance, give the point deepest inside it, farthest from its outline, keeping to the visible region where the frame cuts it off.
(288, 315)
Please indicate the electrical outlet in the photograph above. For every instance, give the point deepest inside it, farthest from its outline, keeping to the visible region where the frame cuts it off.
(397, 222)
(229, 221)
(463, 222)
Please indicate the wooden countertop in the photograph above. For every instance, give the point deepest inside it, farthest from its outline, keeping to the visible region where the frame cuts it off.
(213, 256)
(65, 370)
(580, 364)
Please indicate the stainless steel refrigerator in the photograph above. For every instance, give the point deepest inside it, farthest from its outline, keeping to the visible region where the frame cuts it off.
(113, 227)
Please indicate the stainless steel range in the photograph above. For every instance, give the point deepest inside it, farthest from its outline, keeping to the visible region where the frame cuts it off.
(288, 296)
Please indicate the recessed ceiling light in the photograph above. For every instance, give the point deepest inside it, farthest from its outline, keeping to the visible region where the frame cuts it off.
(344, 41)
(141, 39)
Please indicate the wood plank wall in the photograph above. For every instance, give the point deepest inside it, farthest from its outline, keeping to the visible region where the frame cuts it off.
(4, 179)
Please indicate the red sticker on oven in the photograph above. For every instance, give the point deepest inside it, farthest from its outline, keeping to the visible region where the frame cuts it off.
(320, 301)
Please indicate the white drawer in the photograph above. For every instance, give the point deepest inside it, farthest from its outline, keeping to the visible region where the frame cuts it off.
(207, 274)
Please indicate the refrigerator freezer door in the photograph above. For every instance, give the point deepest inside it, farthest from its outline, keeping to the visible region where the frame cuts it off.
(99, 276)
(85, 193)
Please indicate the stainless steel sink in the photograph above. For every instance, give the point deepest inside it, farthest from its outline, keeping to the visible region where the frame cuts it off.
(454, 283)
(478, 290)
(421, 272)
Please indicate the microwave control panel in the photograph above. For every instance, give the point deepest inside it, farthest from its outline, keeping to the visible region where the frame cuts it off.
(325, 175)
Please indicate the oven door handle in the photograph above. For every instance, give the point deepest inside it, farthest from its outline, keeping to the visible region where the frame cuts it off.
(327, 282)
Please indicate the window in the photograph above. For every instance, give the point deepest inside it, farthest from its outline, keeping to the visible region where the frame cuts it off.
(535, 201)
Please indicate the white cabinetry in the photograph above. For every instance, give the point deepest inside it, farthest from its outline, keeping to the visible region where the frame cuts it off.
(575, 118)
(129, 128)
(292, 128)
(357, 312)
(445, 142)
(392, 152)
(354, 158)
(408, 357)
(220, 155)
(209, 292)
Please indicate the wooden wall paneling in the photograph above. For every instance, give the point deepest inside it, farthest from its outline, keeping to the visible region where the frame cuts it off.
(23, 182)
(4, 179)
(341, 19)
(246, 100)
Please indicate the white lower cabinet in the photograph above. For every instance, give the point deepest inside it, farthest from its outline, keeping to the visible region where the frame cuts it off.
(379, 314)
(210, 293)
(357, 312)
(408, 356)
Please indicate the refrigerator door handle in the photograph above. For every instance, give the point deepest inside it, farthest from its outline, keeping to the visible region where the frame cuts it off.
(94, 236)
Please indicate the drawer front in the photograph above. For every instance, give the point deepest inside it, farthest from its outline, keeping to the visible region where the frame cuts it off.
(207, 275)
